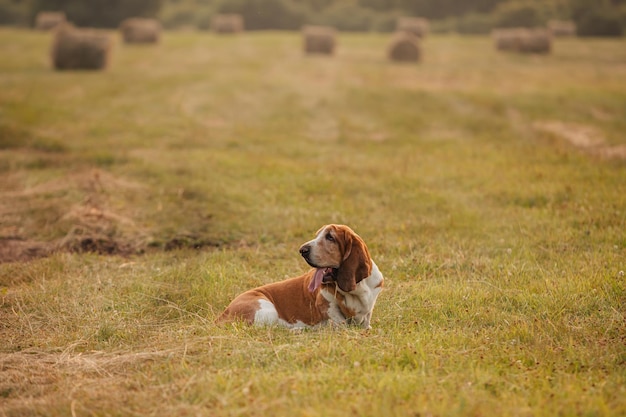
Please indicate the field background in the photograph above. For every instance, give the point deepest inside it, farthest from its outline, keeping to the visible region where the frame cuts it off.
(135, 203)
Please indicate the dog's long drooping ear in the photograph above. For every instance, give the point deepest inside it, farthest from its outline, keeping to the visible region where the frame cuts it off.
(356, 265)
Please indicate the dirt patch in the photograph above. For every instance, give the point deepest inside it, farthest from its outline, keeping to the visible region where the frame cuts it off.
(192, 241)
(586, 138)
(76, 207)
(82, 212)
(16, 249)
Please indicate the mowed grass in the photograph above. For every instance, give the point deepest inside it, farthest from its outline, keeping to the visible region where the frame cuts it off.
(502, 243)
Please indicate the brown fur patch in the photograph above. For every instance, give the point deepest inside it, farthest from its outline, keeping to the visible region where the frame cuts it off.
(291, 298)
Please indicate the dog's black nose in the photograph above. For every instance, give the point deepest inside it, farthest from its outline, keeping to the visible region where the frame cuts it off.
(304, 250)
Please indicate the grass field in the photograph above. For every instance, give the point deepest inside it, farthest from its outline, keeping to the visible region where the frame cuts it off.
(135, 203)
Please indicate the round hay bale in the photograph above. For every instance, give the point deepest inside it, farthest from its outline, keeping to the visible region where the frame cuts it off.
(536, 41)
(140, 30)
(562, 28)
(418, 26)
(80, 49)
(319, 39)
(507, 39)
(405, 47)
(227, 23)
(49, 20)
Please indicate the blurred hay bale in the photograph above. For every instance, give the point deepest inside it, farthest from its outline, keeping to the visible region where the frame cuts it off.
(418, 26)
(49, 20)
(80, 48)
(319, 39)
(507, 39)
(140, 30)
(537, 41)
(562, 28)
(405, 47)
(227, 23)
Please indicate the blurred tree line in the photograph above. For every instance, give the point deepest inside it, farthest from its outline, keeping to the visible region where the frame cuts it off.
(96, 13)
(593, 17)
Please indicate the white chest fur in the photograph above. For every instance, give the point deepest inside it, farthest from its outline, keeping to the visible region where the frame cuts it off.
(361, 301)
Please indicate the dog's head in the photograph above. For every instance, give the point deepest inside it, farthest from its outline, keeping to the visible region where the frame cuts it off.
(339, 255)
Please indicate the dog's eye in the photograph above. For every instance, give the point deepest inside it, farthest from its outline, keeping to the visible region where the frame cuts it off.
(330, 237)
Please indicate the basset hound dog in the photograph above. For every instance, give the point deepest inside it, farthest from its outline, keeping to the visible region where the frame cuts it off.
(341, 288)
